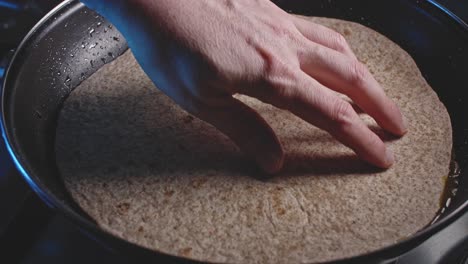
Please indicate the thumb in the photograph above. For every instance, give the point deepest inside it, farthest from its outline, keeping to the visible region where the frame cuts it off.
(248, 130)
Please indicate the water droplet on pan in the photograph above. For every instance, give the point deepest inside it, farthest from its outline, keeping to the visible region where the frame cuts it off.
(38, 114)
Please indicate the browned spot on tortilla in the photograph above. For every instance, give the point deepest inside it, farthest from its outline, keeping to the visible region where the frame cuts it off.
(198, 183)
(185, 251)
(123, 208)
(169, 193)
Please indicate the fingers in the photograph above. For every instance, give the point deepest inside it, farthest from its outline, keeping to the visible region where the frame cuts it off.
(348, 76)
(322, 35)
(317, 105)
(248, 130)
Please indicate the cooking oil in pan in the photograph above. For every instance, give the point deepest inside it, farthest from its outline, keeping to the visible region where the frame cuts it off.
(450, 190)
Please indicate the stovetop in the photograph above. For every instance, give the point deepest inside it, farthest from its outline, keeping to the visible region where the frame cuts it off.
(31, 233)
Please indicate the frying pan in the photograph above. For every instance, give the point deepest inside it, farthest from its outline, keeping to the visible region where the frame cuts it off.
(72, 42)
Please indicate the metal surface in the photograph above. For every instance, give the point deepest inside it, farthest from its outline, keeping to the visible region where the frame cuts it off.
(72, 42)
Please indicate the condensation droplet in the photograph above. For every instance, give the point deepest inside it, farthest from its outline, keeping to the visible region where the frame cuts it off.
(38, 114)
(435, 219)
(447, 203)
(67, 81)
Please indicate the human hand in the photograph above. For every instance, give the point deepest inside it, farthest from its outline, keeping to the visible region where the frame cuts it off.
(202, 52)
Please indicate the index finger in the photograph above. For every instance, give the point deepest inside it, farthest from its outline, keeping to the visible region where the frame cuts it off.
(349, 76)
(316, 104)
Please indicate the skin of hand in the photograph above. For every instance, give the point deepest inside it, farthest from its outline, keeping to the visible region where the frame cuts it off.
(202, 52)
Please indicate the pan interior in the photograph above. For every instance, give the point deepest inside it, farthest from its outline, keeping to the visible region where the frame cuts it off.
(74, 42)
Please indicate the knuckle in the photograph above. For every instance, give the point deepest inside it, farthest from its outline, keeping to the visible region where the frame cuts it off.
(279, 70)
(285, 32)
(280, 30)
(359, 73)
(281, 80)
(282, 71)
(342, 113)
(284, 28)
(340, 42)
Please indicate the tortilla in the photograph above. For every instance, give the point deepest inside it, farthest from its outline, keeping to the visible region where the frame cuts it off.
(150, 173)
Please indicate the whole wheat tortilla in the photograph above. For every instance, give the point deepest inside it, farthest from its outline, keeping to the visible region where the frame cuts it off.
(150, 173)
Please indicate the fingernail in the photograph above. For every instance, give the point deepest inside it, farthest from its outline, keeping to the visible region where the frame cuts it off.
(405, 125)
(389, 157)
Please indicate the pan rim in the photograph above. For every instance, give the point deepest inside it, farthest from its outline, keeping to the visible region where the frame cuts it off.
(52, 201)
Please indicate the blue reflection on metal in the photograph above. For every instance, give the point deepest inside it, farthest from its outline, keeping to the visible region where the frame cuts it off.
(10, 5)
(448, 12)
(5, 163)
(2, 72)
(20, 167)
